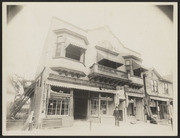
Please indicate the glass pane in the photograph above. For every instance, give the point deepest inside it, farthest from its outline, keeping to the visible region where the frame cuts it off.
(103, 107)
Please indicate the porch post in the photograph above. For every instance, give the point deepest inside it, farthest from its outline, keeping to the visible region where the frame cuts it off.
(71, 103)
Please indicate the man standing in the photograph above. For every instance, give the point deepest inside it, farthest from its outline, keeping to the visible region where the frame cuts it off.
(116, 115)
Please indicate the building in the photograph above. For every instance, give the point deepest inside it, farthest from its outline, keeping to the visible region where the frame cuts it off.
(85, 74)
(160, 91)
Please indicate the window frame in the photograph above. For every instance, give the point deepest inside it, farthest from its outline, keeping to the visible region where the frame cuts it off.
(58, 100)
(154, 86)
(92, 107)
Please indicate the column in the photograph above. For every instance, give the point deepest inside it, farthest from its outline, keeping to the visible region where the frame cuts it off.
(71, 103)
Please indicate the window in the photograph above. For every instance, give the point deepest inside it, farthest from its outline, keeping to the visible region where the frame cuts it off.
(127, 62)
(94, 107)
(103, 107)
(154, 86)
(58, 49)
(165, 88)
(59, 46)
(73, 52)
(58, 106)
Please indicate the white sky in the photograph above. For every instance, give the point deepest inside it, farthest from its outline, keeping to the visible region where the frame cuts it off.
(143, 28)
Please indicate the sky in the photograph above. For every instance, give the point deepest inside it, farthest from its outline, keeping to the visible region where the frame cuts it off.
(140, 27)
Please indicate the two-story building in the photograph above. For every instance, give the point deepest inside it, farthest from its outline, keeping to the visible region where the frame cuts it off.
(160, 91)
(84, 74)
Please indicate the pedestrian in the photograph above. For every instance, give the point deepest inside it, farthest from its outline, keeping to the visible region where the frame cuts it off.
(116, 115)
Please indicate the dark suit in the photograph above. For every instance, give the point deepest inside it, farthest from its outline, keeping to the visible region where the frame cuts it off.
(116, 114)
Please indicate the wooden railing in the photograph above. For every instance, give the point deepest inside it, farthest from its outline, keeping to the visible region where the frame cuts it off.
(136, 79)
(108, 71)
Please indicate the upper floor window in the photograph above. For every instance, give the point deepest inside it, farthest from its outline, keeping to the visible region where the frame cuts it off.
(59, 46)
(154, 86)
(165, 88)
(74, 52)
(127, 62)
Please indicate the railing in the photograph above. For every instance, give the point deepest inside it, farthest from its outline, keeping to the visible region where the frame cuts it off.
(136, 79)
(108, 71)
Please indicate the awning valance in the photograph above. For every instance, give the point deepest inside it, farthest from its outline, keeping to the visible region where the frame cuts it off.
(81, 87)
(135, 94)
(138, 66)
(116, 59)
(76, 44)
(159, 98)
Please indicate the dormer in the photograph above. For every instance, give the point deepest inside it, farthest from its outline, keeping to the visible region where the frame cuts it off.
(134, 65)
(107, 56)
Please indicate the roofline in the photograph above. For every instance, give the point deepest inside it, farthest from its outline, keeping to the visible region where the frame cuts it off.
(69, 24)
(106, 26)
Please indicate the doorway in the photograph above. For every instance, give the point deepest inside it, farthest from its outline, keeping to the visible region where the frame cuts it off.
(80, 105)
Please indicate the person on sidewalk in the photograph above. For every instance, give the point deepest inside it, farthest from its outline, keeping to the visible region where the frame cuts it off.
(116, 115)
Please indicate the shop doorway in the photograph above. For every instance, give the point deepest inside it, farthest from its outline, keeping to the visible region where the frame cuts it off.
(80, 104)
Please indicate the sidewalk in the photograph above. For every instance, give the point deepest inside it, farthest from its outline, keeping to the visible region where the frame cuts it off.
(83, 128)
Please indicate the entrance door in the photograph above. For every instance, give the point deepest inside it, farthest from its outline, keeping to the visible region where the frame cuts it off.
(80, 108)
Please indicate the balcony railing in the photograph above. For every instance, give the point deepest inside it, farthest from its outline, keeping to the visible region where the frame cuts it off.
(135, 79)
(108, 71)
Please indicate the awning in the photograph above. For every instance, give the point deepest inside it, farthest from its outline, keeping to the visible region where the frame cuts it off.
(116, 59)
(137, 66)
(159, 98)
(74, 43)
(81, 87)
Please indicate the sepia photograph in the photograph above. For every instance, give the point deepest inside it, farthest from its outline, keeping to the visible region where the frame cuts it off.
(89, 69)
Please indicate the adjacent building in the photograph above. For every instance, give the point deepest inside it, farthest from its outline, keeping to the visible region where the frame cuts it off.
(160, 91)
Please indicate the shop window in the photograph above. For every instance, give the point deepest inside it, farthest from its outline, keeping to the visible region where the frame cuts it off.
(58, 106)
(94, 107)
(73, 52)
(103, 107)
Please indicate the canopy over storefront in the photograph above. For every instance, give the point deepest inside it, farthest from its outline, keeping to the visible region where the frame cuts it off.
(159, 98)
(81, 87)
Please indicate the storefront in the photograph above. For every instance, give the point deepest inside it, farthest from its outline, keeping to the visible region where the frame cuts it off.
(69, 104)
(135, 106)
(159, 107)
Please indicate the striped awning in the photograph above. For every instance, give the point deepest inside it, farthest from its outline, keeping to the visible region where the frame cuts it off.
(138, 66)
(76, 44)
(159, 98)
(81, 87)
(116, 59)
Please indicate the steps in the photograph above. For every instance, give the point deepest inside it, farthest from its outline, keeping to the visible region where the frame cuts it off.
(48, 123)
